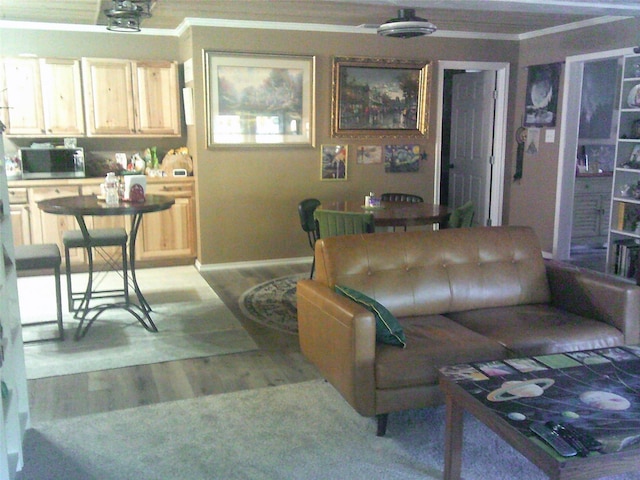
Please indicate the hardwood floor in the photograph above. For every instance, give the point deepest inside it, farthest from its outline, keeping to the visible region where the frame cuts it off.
(278, 361)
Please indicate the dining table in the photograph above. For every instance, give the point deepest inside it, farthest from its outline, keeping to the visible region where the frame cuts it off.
(394, 214)
(82, 206)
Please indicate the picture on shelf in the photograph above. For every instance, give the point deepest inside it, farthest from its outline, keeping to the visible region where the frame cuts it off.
(634, 159)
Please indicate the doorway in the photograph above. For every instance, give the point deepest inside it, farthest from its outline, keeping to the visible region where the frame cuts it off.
(580, 237)
(470, 137)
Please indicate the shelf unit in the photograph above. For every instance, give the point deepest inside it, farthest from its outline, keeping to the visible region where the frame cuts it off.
(14, 401)
(624, 231)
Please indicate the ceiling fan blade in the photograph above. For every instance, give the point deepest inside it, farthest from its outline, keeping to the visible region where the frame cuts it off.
(368, 25)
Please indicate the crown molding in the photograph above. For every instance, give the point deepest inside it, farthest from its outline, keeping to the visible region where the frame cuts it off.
(571, 26)
(82, 28)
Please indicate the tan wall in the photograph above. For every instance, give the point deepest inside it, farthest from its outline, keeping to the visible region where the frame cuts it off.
(532, 200)
(248, 197)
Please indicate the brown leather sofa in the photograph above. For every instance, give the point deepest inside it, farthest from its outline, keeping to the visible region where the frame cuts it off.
(461, 295)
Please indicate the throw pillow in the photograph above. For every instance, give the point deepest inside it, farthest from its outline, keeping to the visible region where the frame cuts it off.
(388, 330)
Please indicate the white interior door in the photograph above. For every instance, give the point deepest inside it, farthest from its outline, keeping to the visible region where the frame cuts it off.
(472, 127)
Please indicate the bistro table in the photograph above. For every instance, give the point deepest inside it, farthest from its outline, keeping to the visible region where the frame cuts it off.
(395, 214)
(90, 205)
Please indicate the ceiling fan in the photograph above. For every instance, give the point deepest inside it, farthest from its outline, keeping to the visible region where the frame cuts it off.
(405, 25)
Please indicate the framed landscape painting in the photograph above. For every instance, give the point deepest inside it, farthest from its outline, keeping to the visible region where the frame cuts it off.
(259, 100)
(379, 97)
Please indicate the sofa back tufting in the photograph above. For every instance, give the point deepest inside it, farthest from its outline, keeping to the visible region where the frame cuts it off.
(419, 273)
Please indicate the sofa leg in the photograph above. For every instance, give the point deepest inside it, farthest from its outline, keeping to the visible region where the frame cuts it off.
(382, 424)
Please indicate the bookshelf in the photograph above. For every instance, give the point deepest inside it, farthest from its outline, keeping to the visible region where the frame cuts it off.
(14, 401)
(624, 231)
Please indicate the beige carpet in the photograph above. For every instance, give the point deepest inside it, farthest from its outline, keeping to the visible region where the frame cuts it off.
(304, 431)
(192, 322)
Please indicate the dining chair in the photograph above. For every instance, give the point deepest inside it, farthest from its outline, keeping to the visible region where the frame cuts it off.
(401, 197)
(305, 210)
(42, 257)
(462, 216)
(332, 223)
(99, 239)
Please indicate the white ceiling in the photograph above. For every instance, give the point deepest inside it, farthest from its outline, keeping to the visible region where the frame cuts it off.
(490, 17)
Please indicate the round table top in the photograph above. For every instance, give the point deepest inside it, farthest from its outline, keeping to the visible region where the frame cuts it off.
(393, 214)
(92, 205)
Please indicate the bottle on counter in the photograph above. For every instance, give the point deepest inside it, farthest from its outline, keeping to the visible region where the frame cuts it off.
(111, 189)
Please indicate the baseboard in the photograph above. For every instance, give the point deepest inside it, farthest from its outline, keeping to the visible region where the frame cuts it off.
(252, 264)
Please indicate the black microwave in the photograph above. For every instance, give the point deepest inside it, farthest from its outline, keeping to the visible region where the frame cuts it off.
(52, 162)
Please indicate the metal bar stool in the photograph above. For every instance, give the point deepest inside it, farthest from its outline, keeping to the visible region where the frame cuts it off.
(99, 238)
(41, 257)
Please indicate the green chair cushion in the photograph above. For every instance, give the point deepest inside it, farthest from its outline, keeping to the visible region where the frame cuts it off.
(388, 330)
(332, 223)
(462, 217)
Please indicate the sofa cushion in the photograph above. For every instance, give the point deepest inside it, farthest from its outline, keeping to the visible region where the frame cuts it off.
(388, 330)
(539, 329)
(429, 273)
(432, 342)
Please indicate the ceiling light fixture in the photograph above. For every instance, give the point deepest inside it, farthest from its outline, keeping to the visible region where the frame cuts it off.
(126, 15)
(406, 25)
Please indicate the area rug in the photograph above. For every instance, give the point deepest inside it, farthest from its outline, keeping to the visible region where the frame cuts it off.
(300, 431)
(192, 322)
(273, 303)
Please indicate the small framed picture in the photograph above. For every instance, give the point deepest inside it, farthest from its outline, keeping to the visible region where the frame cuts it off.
(333, 162)
(401, 158)
(369, 154)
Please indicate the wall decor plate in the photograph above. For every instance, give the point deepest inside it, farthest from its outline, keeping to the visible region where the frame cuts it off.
(633, 100)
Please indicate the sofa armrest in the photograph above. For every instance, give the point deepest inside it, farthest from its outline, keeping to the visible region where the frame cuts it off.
(596, 295)
(339, 337)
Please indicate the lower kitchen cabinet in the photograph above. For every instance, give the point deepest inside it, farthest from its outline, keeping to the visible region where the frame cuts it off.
(170, 233)
(20, 218)
(47, 228)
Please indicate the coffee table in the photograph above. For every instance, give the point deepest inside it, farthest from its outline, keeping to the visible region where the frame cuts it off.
(596, 390)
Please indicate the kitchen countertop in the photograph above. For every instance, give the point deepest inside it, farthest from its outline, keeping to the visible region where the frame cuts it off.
(88, 181)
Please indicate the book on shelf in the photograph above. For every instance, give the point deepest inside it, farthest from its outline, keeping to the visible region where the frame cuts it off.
(628, 216)
(626, 257)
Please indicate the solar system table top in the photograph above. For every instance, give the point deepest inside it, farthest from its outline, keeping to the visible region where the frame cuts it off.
(597, 391)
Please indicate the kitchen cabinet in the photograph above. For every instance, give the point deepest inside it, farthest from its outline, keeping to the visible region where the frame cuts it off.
(14, 401)
(624, 232)
(170, 233)
(591, 210)
(125, 97)
(41, 97)
(47, 228)
(20, 218)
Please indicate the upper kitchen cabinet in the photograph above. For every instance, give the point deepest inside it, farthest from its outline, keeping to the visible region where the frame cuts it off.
(41, 97)
(125, 97)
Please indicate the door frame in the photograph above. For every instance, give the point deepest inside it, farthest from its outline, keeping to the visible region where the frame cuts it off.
(568, 146)
(499, 130)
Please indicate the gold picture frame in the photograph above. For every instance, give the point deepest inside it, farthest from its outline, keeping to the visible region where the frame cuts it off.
(380, 97)
(259, 99)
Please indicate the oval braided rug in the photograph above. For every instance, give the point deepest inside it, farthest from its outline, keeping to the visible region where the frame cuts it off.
(273, 303)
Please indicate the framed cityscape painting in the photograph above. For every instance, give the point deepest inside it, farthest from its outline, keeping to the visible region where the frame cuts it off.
(379, 97)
